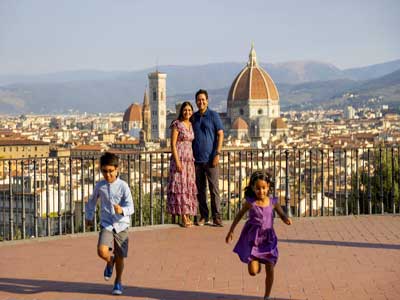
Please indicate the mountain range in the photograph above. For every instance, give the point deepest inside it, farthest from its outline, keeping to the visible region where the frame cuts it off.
(301, 84)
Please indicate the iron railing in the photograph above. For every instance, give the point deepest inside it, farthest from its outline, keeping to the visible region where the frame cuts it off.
(46, 196)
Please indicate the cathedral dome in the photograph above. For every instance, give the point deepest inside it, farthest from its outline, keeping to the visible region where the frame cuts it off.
(253, 83)
(133, 113)
(240, 124)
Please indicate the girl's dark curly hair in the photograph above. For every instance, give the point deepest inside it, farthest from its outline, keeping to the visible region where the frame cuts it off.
(258, 175)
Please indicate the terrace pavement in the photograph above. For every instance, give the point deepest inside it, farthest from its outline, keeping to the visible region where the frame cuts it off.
(320, 258)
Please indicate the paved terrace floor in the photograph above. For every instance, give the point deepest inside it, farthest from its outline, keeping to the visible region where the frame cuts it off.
(320, 258)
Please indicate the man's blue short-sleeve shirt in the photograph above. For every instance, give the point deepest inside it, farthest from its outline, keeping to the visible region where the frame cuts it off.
(205, 129)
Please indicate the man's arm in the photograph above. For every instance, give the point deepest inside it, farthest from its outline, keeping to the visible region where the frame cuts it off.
(220, 137)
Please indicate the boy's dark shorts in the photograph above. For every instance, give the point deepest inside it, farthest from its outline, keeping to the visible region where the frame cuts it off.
(120, 239)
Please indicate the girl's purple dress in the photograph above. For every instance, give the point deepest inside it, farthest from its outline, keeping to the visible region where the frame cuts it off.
(181, 189)
(258, 239)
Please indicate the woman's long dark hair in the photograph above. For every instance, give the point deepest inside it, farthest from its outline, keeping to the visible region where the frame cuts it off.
(180, 116)
(184, 104)
(258, 175)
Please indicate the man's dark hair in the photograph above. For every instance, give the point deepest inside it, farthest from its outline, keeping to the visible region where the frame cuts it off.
(109, 159)
(200, 91)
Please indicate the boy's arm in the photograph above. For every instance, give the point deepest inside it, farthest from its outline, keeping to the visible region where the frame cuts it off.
(127, 205)
(91, 204)
(282, 214)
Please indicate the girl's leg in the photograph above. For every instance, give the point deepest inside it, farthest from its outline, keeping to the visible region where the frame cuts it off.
(254, 267)
(269, 279)
(119, 267)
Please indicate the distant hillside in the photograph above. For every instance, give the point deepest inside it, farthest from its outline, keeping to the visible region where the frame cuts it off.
(93, 91)
(339, 93)
(373, 71)
(329, 94)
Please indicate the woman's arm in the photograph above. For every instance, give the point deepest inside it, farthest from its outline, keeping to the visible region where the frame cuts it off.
(174, 139)
(246, 206)
(282, 214)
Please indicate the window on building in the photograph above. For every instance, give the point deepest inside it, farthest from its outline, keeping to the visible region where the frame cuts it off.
(241, 112)
(154, 96)
(260, 111)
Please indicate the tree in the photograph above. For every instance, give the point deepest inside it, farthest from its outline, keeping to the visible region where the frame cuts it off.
(382, 183)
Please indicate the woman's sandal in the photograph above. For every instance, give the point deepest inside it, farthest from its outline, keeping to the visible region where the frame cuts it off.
(186, 223)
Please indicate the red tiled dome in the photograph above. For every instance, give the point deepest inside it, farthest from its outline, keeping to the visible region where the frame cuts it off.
(253, 83)
(240, 124)
(133, 113)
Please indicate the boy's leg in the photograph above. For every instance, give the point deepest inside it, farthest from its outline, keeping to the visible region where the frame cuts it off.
(103, 250)
(119, 267)
(269, 279)
(121, 243)
(104, 243)
(254, 267)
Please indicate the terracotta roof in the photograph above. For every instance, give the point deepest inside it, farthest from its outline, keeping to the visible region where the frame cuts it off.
(129, 142)
(21, 142)
(88, 148)
(278, 123)
(239, 123)
(133, 113)
(253, 82)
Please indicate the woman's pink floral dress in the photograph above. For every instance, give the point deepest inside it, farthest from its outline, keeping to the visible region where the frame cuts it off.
(182, 190)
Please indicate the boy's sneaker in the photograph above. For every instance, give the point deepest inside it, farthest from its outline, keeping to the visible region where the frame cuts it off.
(117, 290)
(109, 270)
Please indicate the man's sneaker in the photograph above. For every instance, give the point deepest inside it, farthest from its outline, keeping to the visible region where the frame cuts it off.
(117, 290)
(201, 222)
(109, 270)
(218, 222)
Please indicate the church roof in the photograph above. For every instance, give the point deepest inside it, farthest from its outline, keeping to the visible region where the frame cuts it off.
(253, 82)
(278, 123)
(239, 123)
(133, 113)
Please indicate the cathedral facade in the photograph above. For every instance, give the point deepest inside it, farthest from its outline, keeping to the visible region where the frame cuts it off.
(253, 109)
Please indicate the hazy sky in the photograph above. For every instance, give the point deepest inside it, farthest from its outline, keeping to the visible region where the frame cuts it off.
(40, 36)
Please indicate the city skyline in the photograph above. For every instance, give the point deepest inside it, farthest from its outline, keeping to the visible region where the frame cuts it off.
(47, 36)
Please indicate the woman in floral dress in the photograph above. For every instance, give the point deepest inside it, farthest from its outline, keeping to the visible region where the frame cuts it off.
(182, 190)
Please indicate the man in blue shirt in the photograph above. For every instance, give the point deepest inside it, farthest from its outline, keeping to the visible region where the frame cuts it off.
(207, 145)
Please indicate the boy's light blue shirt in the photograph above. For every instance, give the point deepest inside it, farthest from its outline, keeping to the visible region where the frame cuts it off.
(117, 192)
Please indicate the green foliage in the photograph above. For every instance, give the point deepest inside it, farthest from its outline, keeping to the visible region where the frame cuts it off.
(146, 207)
(379, 181)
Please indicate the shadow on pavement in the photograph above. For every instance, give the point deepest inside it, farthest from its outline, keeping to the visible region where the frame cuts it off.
(32, 286)
(344, 244)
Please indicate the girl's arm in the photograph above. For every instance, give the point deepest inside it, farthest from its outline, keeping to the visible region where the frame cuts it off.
(174, 139)
(246, 206)
(282, 215)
